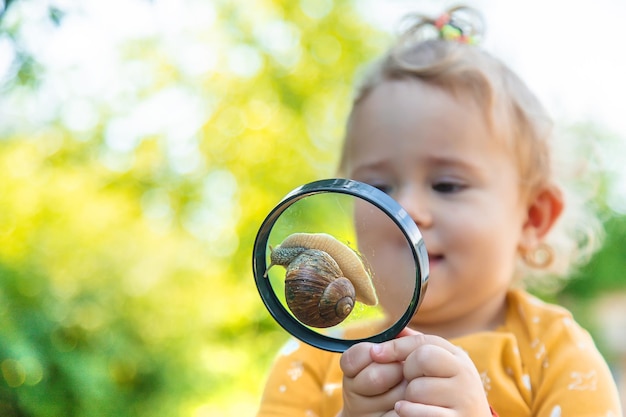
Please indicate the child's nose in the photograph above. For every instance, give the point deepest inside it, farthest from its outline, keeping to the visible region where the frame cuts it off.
(417, 205)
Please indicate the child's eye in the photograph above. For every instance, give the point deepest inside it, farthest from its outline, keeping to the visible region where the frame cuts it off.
(448, 187)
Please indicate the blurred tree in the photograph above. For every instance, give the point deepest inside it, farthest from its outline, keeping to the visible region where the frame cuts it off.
(142, 144)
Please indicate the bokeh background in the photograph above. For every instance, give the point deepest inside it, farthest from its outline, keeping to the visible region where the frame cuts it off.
(142, 142)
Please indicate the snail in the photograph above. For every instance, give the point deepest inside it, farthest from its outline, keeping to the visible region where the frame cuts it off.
(324, 278)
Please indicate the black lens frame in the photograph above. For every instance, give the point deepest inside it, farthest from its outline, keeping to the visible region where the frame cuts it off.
(383, 202)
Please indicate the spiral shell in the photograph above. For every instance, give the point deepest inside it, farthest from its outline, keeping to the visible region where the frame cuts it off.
(315, 290)
(324, 278)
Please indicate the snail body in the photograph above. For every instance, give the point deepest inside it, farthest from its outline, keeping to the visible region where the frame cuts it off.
(324, 278)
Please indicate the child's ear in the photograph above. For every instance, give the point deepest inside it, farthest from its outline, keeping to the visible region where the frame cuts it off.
(543, 211)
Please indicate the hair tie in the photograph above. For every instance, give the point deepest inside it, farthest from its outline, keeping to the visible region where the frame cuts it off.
(461, 24)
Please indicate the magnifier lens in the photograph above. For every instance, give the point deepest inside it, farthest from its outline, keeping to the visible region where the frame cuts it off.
(339, 262)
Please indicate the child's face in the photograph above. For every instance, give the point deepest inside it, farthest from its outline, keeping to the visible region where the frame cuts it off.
(437, 157)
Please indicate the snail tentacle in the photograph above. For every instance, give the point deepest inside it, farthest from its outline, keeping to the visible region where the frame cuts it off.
(283, 256)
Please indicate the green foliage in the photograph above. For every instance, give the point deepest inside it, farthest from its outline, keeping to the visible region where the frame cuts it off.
(604, 273)
(125, 256)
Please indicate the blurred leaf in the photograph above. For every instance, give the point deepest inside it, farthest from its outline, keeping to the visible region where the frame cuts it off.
(130, 207)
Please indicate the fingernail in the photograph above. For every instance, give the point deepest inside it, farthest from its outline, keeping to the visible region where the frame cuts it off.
(377, 349)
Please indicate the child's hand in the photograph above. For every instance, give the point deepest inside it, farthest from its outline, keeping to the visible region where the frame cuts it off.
(370, 388)
(442, 379)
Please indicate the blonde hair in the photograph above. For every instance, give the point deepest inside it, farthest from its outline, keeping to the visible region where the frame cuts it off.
(512, 111)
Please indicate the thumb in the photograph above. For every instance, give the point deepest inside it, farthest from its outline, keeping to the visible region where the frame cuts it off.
(407, 332)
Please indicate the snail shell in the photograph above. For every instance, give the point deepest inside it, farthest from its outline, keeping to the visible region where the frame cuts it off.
(315, 290)
(324, 278)
(350, 263)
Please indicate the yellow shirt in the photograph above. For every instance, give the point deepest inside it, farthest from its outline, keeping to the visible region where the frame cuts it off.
(539, 363)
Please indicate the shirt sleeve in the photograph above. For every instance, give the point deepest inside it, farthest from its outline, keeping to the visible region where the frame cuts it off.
(297, 382)
(574, 379)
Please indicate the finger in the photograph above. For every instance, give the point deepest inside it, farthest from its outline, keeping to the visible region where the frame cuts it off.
(377, 379)
(406, 332)
(359, 404)
(431, 391)
(431, 361)
(355, 359)
(408, 409)
(397, 350)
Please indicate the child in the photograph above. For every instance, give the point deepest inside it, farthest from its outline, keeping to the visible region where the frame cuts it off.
(462, 144)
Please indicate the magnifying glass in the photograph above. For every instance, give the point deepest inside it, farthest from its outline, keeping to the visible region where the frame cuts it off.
(338, 262)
